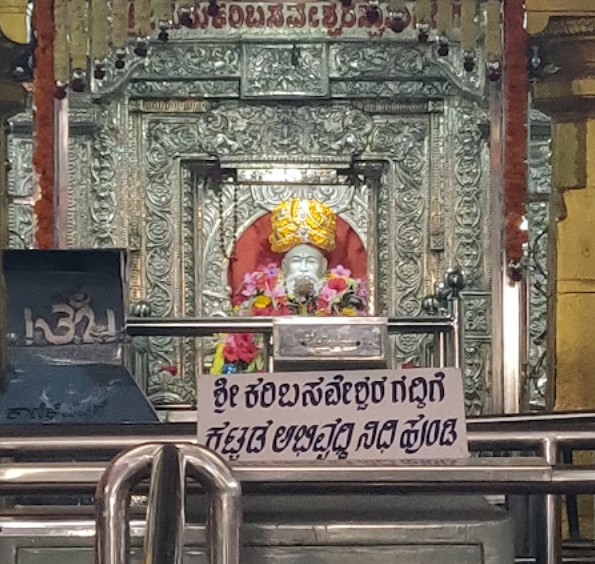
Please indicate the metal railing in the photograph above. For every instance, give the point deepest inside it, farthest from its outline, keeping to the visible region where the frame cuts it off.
(446, 329)
(443, 321)
(548, 440)
(170, 462)
(507, 475)
(164, 539)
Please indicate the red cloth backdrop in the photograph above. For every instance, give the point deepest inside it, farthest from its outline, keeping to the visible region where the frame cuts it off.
(253, 250)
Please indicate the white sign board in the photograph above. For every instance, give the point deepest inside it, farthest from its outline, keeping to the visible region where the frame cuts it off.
(354, 415)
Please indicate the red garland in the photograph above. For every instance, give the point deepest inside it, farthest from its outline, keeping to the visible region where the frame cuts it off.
(515, 92)
(43, 121)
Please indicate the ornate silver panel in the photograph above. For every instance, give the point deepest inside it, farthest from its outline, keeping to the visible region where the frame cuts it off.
(419, 197)
(336, 132)
(470, 206)
(389, 62)
(468, 230)
(79, 190)
(108, 175)
(21, 226)
(538, 222)
(20, 157)
(20, 184)
(192, 61)
(187, 89)
(286, 69)
(390, 89)
(282, 71)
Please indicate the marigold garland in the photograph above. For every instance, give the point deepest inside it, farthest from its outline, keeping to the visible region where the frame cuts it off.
(515, 94)
(43, 121)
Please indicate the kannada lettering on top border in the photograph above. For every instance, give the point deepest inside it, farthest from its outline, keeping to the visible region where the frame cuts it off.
(322, 19)
(356, 415)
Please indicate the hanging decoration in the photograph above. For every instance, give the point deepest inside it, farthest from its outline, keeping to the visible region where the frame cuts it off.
(444, 25)
(423, 18)
(99, 37)
(398, 14)
(493, 39)
(468, 33)
(116, 25)
(61, 57)
(78, 38)
(142, 17)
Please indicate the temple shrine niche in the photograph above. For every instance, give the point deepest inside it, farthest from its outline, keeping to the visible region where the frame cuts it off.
(183, 154)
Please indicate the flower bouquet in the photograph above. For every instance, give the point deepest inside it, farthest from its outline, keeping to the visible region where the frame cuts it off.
(263, 293)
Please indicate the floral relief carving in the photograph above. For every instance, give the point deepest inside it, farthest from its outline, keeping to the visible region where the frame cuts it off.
(20, 177)
(469, 208)
(186, 89)
(101, 198)
(284, 70)
(21, 226)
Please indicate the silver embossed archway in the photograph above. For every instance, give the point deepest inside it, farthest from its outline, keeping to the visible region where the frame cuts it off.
(403, 213)
(412, 124)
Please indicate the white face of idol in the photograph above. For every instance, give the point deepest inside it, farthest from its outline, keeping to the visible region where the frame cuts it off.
(303, 262)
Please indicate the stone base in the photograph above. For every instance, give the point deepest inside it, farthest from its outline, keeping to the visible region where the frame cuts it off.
(373, 529)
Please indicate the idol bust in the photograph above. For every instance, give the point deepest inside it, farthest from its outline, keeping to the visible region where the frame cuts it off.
(300, 283)
(303, 229)
(306, 265)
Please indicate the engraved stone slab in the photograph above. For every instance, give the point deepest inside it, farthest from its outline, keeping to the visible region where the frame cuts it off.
(282, 70)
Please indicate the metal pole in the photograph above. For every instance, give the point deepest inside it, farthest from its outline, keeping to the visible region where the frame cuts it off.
(112, 540)
(113, 492)
(439, 350)
(455, 337)
(496, 258)
(61, 180)
(549, 542)
(164, 540)
(206, 326)
(224, 517)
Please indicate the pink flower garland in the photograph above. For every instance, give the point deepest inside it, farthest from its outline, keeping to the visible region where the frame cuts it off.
(263, 294)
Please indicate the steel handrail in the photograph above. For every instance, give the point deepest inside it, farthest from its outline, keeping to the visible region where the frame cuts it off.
(112, 497)
(528, 440)
(447, 330)
(478, 475)
(164, 539)
(206, 326)
(489, 475)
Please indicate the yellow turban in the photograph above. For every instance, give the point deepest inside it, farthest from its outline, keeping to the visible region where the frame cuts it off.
(296, 221)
